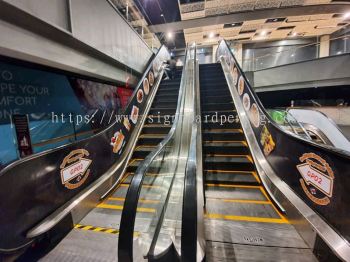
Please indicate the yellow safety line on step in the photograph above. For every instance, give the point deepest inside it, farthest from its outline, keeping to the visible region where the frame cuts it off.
(246, 218)
(246, 201)
(142, 200)
(236, 186)
(228, 171)
(225, 141)
(118, 207)
(277, 211)
(248, 157)
(256, 177)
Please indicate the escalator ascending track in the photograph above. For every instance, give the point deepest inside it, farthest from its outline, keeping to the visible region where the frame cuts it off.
(95, 238)
(241, 222)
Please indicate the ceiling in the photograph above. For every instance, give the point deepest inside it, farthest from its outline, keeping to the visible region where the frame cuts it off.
(272, 27)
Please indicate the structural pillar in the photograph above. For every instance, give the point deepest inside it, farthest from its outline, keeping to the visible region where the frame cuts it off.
(215, 47)
(238, 52)
(324, 46)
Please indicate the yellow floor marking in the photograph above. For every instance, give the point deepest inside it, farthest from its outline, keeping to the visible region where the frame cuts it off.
(142, 200)
(118, 207)
(227, 141)
(246, 218)
(277, 211)
(247, 201)
(256, 177)
(101, 229)
(230, 185)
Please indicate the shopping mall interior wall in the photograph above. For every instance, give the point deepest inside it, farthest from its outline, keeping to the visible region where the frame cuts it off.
(321, 96)
(73, 36)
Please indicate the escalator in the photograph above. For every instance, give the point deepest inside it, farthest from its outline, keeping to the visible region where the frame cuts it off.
(241, 221)
(96, 236)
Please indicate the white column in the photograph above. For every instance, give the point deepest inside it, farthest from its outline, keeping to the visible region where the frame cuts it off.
(238, 52)
(324, 46)
(215, 47)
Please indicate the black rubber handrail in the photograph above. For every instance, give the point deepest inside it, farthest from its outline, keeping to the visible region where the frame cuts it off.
(127, 221)
(190, 203)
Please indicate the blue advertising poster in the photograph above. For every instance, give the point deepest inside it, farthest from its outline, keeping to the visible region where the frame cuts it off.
(34, 92)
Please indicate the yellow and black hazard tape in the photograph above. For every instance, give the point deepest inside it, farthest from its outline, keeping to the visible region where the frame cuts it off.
(101, 229)
(97, 229)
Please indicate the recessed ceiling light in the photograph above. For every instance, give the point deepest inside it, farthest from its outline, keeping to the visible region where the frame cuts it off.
(211, 35)
(161, 15)
(263, 33)
(169, 35)
(347, 15)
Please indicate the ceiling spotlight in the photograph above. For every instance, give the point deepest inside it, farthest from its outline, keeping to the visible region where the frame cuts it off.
(211, 35)
(161, 15)
(170, 35)
(347, 15)
(295, 34)
(263, 33)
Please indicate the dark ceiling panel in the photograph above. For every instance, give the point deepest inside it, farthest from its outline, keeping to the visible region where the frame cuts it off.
(161, 12)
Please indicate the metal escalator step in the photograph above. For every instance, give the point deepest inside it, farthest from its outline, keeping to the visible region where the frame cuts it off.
(150, 139)
(235, 191)
(224, 91)
(231, 177)
(226, 123)
(223, 134)
(156, 129)
(213, 97)
(218, 106)
(242, 210)
(229, 162)
(164, 103)
(227, 147)
(162, 111)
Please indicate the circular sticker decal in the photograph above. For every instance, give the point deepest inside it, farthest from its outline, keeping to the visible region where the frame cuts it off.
(317, 178)
(240, 86)
(246, 102)
(117, 141)
(146, 86)
(150, 79)
(254, 115)
(75, 168)
(139, 96)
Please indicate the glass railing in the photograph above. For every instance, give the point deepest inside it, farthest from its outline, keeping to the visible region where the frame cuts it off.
(262, 58)
(288, 123)
(159, 181)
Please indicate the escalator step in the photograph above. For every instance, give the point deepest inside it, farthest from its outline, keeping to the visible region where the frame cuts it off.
(232, 191)
(229, 162)
(156, 129)
(217, 105)
(150, 139)
(219, 98)
(223, 135)
(231, 177)
(162, 111)
(227, 147)
(213, 91)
